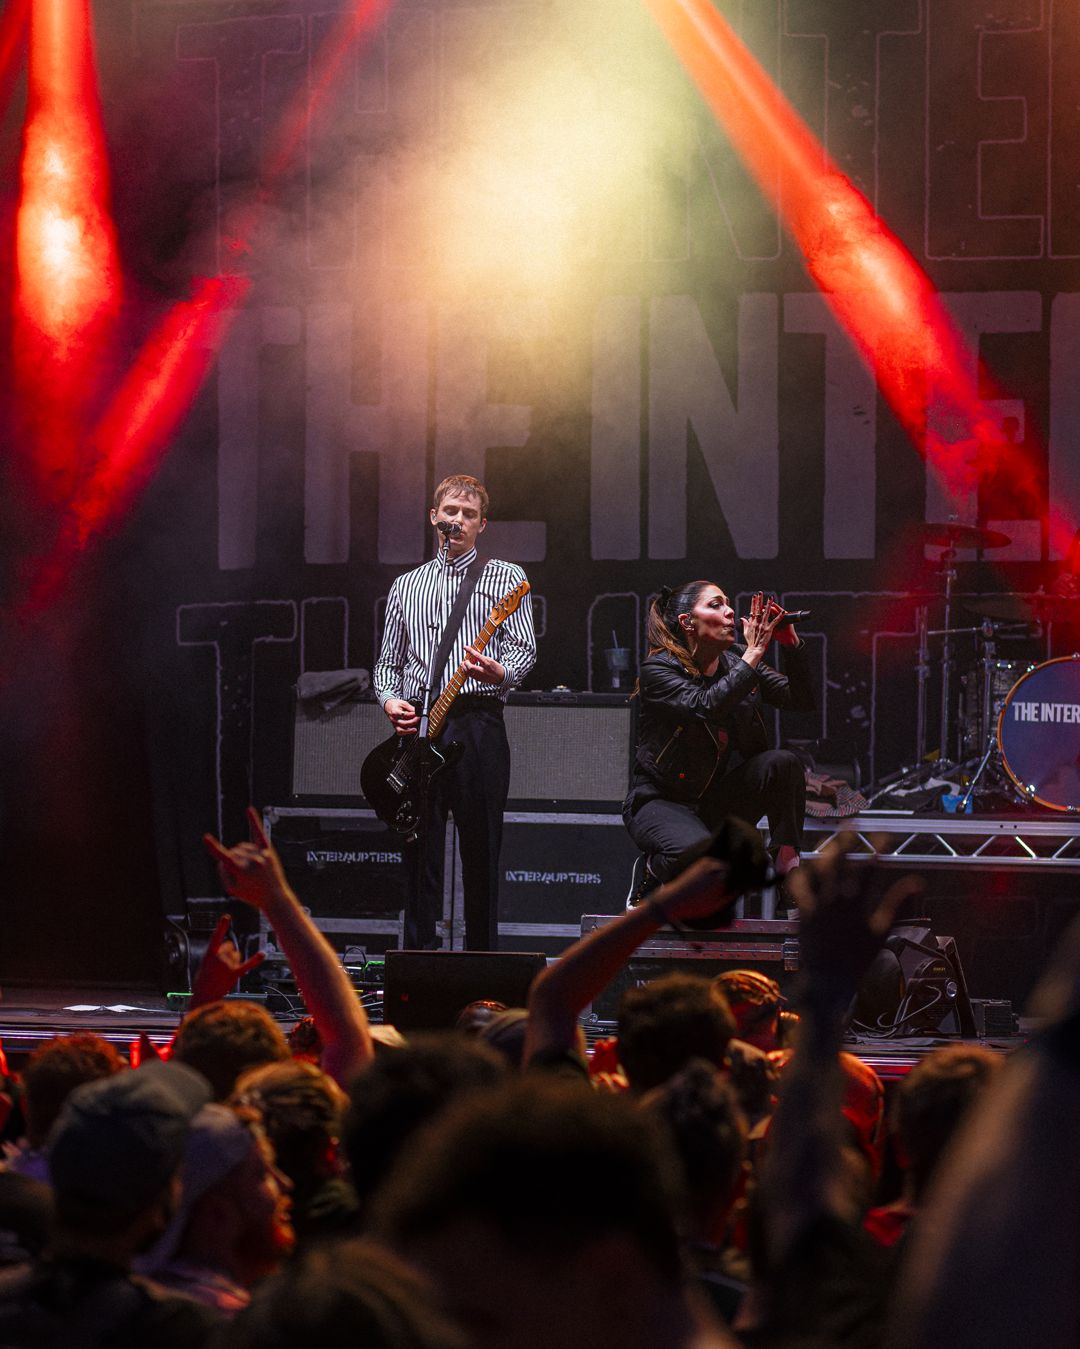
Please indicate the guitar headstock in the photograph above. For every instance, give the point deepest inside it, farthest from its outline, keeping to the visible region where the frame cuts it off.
(509, 603)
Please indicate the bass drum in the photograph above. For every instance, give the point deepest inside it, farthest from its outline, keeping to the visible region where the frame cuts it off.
(1039, 734)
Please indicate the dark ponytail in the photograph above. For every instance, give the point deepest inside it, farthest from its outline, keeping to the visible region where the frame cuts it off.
(663, 631)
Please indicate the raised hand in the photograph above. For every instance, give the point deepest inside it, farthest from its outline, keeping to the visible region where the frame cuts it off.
(697, 892)
(221, 968)
(251, 871)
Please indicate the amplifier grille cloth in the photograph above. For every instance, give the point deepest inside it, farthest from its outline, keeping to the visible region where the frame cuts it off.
(556, 753)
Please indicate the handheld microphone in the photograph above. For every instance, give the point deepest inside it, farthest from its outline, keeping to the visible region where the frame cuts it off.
(447, 530)
(796, 616)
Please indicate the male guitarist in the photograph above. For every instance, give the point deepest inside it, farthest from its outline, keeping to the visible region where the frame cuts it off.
(474, 787)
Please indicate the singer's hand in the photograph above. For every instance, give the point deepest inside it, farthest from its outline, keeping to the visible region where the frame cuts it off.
(758, 628)
(785, 634)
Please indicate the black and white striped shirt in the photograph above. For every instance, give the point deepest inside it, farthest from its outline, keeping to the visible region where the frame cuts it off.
(416, 612)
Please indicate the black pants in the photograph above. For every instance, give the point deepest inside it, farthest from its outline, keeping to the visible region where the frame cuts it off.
(771, 784)
(473, 790)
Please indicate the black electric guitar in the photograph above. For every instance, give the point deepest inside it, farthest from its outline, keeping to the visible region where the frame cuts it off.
(396, 775)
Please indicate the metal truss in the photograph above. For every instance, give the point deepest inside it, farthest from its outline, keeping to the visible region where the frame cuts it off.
(935, 841)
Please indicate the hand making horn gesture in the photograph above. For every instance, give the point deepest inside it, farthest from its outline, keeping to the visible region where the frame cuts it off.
(759, 626)
(250, 871)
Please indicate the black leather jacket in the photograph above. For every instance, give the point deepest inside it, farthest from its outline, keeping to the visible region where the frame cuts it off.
(690, 725)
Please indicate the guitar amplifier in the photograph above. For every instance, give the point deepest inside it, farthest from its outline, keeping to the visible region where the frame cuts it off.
(566, 750)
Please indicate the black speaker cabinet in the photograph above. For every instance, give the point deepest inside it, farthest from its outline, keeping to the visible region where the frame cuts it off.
(915, 986)
(425, 990)
(572, 748)
(557, 866)
(770, 945)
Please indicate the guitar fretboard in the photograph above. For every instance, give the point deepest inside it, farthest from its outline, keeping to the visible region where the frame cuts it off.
(453, 687)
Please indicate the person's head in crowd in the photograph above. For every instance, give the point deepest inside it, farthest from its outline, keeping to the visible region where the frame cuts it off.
(544, 1212)
(666, 1023)
(302, 1111)
(755, 1001)
(398, 1092)
(232, 1217)
(708, 1131)
(223, 1039)
(349, 1295)
(26, 1218)
(304, 1040)
(52, 1073)
(115, 1151)
(929, 1104)
(474, 1016)
(505, 1033)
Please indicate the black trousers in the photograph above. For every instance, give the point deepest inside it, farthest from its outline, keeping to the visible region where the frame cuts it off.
(474, 791)
(771, 784)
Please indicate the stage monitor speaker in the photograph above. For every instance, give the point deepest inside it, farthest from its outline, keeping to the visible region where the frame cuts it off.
(915, 986)
(768, 945)
(425, 990)
(574, 750)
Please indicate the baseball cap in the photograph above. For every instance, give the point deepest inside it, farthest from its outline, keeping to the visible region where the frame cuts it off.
(217, 1141)
(119, 1141)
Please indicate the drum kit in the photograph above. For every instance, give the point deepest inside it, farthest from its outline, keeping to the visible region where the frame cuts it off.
(1018, 731)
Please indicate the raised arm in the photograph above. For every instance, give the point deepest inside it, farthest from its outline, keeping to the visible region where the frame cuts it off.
(841, 929)
(253, 872)
(560, 993)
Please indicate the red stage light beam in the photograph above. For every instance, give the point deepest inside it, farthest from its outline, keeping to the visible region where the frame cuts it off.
(13, 25)
(67, 281)
(878, 292)
(164, 380)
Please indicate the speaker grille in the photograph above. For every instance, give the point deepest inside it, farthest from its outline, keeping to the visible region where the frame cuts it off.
(568, 753)
(330, 747)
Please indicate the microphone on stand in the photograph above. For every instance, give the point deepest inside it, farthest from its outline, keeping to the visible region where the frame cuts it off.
(448, 530)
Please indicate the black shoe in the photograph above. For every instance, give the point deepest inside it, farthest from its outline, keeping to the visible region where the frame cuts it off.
(642, 882)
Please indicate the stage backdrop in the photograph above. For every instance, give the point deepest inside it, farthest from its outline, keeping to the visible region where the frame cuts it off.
(513, 242)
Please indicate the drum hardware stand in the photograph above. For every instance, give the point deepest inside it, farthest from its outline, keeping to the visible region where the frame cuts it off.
(990, 763)
(946, 632)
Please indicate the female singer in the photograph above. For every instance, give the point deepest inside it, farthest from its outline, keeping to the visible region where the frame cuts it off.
(702, 751)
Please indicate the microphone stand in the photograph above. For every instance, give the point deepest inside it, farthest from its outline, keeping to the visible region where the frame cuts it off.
(419, 833)
(429, 683)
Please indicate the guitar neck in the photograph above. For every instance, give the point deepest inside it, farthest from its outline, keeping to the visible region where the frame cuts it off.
(453, 688)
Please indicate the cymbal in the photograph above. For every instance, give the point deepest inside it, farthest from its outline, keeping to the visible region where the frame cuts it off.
(954, 535)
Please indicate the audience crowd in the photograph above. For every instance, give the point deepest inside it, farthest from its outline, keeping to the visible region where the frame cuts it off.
(719, 1173)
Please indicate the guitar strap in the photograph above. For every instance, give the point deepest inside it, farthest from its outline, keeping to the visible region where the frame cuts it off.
(453, 623)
